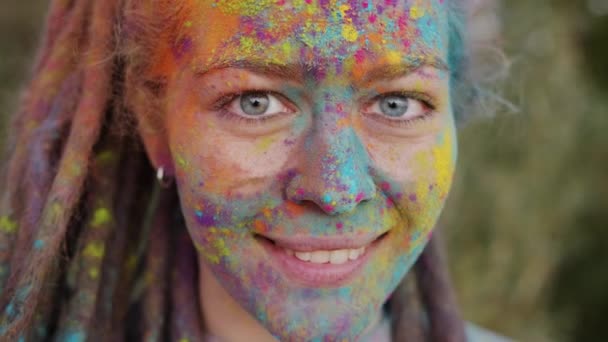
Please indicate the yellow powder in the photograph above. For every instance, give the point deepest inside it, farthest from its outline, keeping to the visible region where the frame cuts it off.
(131, 262)
(105, 157)
(343, 8)
(416, 12)
(7, 225)
(393, 57)
(94, 250)
(101, 217)
(94, 272)
(244, 7)
(181, 161)
(287, 48)
(349, 32)
(265, 142)
(444, 164)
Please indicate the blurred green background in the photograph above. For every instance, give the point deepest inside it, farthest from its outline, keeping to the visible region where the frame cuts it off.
(526, 221)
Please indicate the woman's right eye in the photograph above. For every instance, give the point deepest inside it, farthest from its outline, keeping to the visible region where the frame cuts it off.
(257, 105)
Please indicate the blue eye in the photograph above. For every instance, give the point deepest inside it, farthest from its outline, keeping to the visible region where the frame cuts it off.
(394, 105)
(398, 108)
(254, 104)
(257, 105)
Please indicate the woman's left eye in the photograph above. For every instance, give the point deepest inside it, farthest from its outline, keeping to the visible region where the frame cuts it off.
(256, 105)
(398, 107)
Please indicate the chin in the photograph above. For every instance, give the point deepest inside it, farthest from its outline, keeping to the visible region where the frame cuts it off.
(294, 312)
(325, 322)
(343, 313)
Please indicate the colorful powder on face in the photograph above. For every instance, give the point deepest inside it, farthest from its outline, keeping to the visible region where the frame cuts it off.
(349, 32)
(233, 184)
(243, 7)
(416, 12)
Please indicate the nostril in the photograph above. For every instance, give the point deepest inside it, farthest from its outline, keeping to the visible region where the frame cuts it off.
(335, 196)
(360, 197)
(341, 206)
(329, 209)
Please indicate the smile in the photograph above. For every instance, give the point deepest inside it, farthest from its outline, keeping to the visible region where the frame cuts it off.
(320, 262)
(336, 257)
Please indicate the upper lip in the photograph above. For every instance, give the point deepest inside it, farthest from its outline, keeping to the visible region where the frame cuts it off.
(313, 243)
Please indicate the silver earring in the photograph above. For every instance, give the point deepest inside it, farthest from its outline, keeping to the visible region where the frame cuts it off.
(165, 182)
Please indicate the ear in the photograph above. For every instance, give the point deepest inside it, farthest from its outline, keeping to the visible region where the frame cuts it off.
(144, 100)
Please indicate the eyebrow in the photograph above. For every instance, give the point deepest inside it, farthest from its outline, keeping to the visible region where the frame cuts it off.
(268, 69)
(297, 71)
(394, 71)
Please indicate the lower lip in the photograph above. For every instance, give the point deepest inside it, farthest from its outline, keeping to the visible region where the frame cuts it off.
(318, 275)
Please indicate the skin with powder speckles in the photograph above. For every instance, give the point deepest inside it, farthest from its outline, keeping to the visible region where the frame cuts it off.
(329, 154)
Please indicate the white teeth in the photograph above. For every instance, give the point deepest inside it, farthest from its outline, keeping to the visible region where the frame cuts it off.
(336, 257)
(319, 257)
(304, 256)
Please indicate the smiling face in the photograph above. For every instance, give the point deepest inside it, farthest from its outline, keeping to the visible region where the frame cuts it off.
(313, 146)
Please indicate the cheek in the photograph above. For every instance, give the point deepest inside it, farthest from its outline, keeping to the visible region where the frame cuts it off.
(219, 162)
(434, 172)
(420, 171)
(430, 159)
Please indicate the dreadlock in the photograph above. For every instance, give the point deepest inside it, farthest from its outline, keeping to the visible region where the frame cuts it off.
(84, 227)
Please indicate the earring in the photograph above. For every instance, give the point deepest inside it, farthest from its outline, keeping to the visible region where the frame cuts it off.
(165, 182)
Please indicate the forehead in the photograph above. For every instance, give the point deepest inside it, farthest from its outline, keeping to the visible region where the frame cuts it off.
(317, 31)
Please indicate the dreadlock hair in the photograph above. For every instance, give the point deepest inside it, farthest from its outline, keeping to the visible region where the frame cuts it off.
(85, 248)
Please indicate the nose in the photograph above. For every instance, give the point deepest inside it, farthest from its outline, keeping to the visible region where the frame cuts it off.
(333, 172)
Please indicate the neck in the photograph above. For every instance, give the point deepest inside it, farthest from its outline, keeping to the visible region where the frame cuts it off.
(222, 313)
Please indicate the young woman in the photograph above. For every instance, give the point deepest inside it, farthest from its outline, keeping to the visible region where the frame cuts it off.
(234, 170)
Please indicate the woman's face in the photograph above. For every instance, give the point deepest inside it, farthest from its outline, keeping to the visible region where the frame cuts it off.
(313, 145)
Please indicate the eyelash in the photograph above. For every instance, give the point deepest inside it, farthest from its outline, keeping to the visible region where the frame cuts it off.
(426, 100)
(221, 107)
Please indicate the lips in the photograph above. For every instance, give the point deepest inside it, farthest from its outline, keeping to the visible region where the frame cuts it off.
(320, 262)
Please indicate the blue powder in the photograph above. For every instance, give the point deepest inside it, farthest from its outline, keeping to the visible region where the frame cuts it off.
(38, 244)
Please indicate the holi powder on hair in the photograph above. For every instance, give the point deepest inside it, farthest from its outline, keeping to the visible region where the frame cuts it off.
(38, 244)
(7, 225)
(100, 217)
(94, 250)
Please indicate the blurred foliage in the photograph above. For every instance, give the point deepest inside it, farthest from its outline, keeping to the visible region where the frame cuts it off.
(526, 221)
